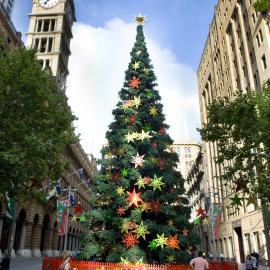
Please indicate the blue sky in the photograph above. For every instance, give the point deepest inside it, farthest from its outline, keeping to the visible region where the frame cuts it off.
(103, 37)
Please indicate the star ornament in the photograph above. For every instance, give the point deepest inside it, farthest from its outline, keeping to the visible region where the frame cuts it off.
(200, 211)
(124, 172)
(140, 182)
(155, 206)
(120, 191)
(121, 211)
(137, 160)
(137, 102)
(146, 207)
(197, 221)
(153, 111)
(140, 19)
(185, 232)
(134, 82)
(125, 226)
(156, 183)
(153, 244)
(134, 198)
(173, 242)
(236, 200)
(136, 65)
(205, 221)
(145, 135)
(82, 218)
(130, 240)
(161, 240)
(141, 230)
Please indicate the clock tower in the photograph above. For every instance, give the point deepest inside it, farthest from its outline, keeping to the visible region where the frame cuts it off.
(50, 32)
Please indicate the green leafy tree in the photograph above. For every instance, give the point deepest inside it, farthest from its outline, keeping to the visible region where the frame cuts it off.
(262, 5)
(35, 126)
(149, 227)
(241, 128)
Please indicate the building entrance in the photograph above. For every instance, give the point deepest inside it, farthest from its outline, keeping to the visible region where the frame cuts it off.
(238, 231)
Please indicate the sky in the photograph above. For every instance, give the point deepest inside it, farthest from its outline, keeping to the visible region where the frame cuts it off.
(103, 37)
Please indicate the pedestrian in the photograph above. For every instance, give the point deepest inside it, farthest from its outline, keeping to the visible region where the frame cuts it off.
(210, 255)
(249, 263)
(254, 261)
(65, 265)
(257, 256)
(199, 263)
(221, 255)
(5, 262)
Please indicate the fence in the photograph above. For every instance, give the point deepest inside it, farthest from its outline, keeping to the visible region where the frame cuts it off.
(54, 263)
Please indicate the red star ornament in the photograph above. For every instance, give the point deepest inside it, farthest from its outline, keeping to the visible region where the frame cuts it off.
(147, 180)
(185, 232)
(161, 163)
(200, 211)
(121, 211)
(132, 119)
(134, 83)
(116, 176)
(130, 240)
(154, 145)
(162, 131)
(78, 209)
(134, 198)
(173, 242)
(132, 225)
(155, 205)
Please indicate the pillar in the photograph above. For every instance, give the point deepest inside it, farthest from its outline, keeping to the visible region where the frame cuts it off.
(48, 242)
(23, 250)
(35, 243)
(55, 250)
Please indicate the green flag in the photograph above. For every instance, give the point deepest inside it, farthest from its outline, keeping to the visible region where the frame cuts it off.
(10, 207)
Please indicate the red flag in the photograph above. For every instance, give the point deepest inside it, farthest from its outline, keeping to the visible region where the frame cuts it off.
(62, 225)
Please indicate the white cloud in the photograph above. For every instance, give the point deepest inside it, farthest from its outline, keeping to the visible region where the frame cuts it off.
(99, 59)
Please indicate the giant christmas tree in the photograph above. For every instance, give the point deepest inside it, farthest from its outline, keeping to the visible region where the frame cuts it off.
(139, 211)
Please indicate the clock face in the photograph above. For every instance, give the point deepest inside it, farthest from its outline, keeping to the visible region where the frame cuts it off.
(48, 3)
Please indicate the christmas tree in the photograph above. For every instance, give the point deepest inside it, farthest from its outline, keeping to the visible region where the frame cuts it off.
(139, 212)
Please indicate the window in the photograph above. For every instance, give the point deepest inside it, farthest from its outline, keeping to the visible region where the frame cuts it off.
(47, 63)
(264, 62)
(187, 149)
(36, 43)
(257, 241)
(39, 25)
(46, 25)
(43, 45)
(52, 25)
(261, 36)
(187, 155)
(50, 44)
(40, 61)
(258, 41)
(253, 18)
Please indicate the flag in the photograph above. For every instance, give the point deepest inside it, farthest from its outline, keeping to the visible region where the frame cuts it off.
(207, 204)
(61, 217)
(216, 218)
(80, 172)
(72, 199)
(55, 191)
(58, 187)
(78, 209)
(10, 206)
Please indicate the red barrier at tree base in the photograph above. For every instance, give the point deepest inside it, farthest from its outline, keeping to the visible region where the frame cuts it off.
(50, 263)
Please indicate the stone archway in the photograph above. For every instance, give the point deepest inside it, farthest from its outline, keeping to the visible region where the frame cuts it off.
(20, 234)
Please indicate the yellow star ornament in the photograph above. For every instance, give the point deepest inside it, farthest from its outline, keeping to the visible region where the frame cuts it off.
(153, 111)
(140, 19)
(136, 65)
(141, 230)
(120, 191)
(137, 102)
(161, 240)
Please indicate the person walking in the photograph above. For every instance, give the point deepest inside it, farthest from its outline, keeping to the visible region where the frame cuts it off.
(254, 262)
(257, 256)
(65, 265)
(199, 263)
(249, 263)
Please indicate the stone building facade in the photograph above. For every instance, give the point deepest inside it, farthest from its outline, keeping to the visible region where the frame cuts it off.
(36, 234)
(236, 56)
(10, 38)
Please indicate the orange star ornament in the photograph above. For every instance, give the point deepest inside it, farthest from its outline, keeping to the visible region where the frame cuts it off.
(134, 198)
(130, 240)
(173, 242)
(121, 211)
(134, 83)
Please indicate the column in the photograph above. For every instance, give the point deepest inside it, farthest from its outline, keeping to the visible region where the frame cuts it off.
(23, 251)
(55, 250)
(35, 243)
(247, 58)
(48, 242)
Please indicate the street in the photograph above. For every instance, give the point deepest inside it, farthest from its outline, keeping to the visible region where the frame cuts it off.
(26, 263)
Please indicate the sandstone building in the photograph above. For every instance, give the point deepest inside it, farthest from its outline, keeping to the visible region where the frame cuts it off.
(236, 56)
(50, 31)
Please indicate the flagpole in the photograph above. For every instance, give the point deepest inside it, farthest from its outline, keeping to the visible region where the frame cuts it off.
(67, 218)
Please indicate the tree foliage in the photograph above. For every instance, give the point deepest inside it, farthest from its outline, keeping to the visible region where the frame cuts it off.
(241, 128)
(35, 126)
(261, 5)
(107, 231)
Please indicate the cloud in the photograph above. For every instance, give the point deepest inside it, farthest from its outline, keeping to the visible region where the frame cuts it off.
(99, 59)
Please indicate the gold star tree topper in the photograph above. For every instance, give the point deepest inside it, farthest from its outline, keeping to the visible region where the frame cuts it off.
(140, 19)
